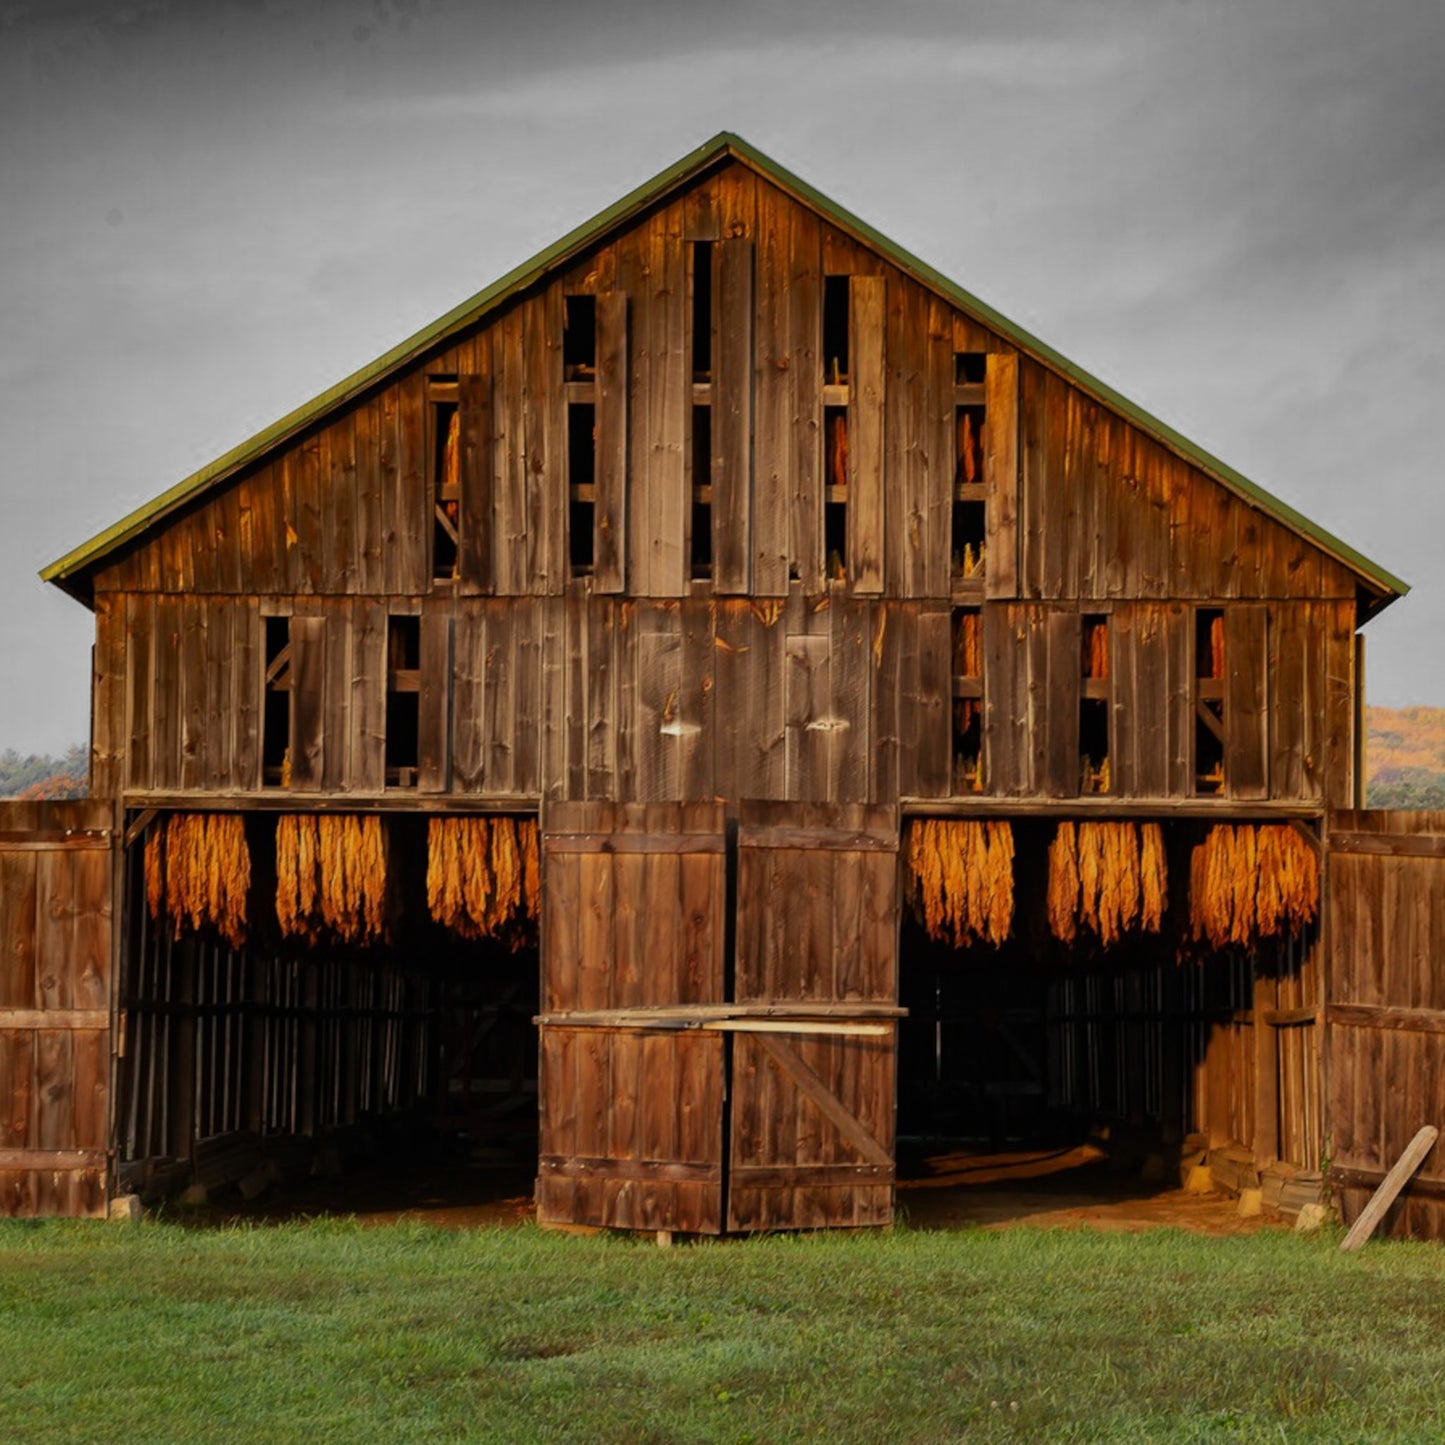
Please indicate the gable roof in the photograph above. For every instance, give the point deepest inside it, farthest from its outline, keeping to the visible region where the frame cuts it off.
(72, 571)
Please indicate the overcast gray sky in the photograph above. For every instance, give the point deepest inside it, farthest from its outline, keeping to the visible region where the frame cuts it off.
(1232, 212)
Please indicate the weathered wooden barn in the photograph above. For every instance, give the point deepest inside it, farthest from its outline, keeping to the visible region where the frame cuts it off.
(708, 557)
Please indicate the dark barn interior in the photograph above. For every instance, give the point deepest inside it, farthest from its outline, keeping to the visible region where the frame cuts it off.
(1139, 1057)
(354, 1072)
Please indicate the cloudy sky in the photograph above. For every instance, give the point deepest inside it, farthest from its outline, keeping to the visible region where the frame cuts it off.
(1232, 212)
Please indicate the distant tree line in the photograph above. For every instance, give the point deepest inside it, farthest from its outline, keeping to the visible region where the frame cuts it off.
(37, 776)
(1407, 788)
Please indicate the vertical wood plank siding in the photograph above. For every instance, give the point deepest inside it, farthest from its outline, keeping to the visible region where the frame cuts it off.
(610, 567)
(1385, 1007)
(554, 685)
(55, 959)
(732, 424)
(634, 909)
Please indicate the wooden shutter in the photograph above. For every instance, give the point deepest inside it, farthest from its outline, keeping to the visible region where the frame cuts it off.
(1001, 475)
(866, 299)
(633, 916)
(56, 865)
(308, 675)
(813, 1082)
(475, 566)
(1031, 699)
(1246, 706)
(1151, 717)
(1385, 1008)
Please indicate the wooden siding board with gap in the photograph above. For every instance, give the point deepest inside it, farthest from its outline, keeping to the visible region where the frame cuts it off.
(1001, 475)
(732, 422)
(772, 397)
(669, 401)
(475, 567)
(805, 371)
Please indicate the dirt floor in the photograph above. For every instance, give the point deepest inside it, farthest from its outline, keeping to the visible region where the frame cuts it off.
(1052, 1188)
(1057, 1188)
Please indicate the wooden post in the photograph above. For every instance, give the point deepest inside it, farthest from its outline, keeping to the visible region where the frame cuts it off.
(1266, 1068)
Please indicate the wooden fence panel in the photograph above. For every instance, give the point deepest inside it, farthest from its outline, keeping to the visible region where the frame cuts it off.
(55, 971)
(1385, 1007)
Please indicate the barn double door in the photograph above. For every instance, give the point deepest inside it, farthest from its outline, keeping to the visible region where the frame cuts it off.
(718, 1032)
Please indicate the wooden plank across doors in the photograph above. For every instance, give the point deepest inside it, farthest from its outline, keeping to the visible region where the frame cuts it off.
(812, 1112)
(1385, 1007)
(634, 904)
(56, 862)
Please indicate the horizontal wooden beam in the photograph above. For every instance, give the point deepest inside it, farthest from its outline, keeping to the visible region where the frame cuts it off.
(1392, 845)
(1221, 810)
(633, 843)
(1386, 1016)
(1421, 1187)
(29, 1019)
(805, 1176)
(832, 840)
(26, 840)
(798, 1026)
(651, 1171)
(281, 800)
(691, 1015)
(1284, 1018)
(56, 1159)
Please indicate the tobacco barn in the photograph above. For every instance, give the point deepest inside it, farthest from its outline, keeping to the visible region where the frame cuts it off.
(718, 705)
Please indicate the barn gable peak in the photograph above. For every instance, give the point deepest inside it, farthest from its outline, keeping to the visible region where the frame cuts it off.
(74, 571)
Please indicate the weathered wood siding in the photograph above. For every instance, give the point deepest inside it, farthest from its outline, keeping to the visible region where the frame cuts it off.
(1385, 1009)
(638, 673)
(637, 700)
(811, 1143)
(55, 998)
(634, 911)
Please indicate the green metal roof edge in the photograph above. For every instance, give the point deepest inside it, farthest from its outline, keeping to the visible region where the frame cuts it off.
(521, 276)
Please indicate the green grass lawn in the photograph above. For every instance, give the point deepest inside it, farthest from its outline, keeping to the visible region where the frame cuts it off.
(331, 1332)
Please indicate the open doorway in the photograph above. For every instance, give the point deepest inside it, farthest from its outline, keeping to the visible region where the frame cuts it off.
(1113, 1061)
(313, 1021)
